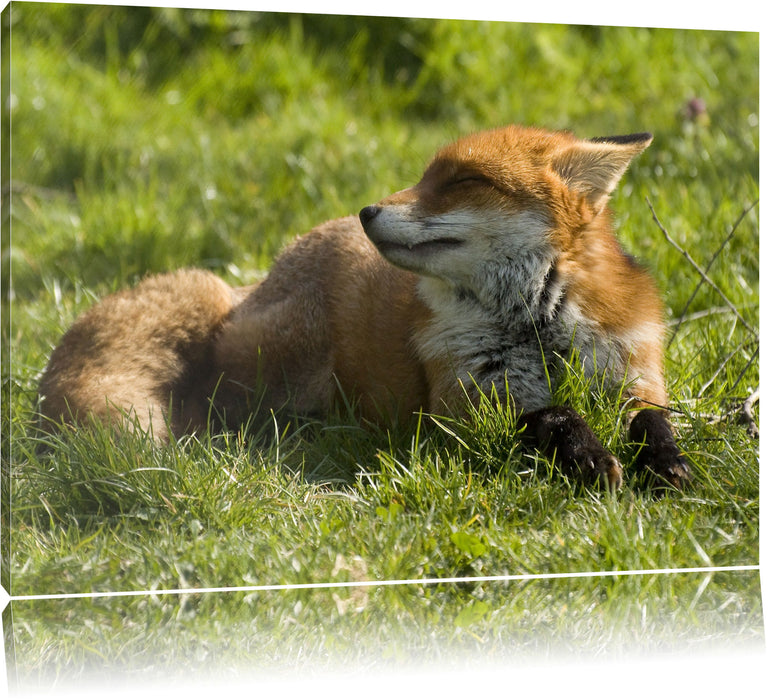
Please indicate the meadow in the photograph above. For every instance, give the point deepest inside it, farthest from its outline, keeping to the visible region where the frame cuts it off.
(143, 140)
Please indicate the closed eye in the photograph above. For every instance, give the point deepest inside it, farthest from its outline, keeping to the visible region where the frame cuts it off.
(470, 179)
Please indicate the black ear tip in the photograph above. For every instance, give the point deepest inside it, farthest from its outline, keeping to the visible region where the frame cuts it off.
(624, 140)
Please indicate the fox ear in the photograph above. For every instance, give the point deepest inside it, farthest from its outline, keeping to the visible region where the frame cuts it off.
(594, 167)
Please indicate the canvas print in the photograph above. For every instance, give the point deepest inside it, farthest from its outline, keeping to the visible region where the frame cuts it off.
(334, 343)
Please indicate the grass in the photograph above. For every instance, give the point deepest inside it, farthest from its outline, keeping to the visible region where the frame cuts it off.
(148, 139)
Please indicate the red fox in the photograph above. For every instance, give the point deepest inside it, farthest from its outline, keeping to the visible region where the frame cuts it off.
(501, 260)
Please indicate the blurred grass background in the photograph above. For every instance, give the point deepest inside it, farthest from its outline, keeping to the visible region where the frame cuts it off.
(232, 131)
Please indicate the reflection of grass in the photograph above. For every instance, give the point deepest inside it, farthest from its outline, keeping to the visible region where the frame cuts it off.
(263, 633)
(147, 140)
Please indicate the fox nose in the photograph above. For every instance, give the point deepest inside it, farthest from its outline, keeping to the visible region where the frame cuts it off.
(367, 214)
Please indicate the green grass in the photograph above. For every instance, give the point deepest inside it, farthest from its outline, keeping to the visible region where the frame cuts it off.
(145, 140)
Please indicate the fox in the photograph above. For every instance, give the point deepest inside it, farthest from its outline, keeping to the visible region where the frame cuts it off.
(477, 281)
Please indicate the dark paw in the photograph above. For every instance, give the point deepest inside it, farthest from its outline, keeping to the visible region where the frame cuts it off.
(560, 432)
(601, 465)
(590, 459)
(666, 468)
(659, 456)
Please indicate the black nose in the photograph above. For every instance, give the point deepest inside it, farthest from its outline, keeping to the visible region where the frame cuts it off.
(367, 214)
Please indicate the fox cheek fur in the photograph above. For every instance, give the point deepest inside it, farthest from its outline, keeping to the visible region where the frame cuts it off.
(500, 260)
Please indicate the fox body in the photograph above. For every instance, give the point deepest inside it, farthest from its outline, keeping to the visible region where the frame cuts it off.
(500, 260)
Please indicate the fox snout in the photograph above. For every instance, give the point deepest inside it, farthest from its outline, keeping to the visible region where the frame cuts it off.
(367, 214)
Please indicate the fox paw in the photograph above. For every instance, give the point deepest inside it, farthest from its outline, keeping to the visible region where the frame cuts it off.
(667, 468)
(659, 455)
(562, 432)
(601, 465)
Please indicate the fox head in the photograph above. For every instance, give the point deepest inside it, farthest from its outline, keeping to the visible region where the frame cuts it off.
(510, 195)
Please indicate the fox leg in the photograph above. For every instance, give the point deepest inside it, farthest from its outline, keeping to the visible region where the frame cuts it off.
(659, 453)
(560, 432)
